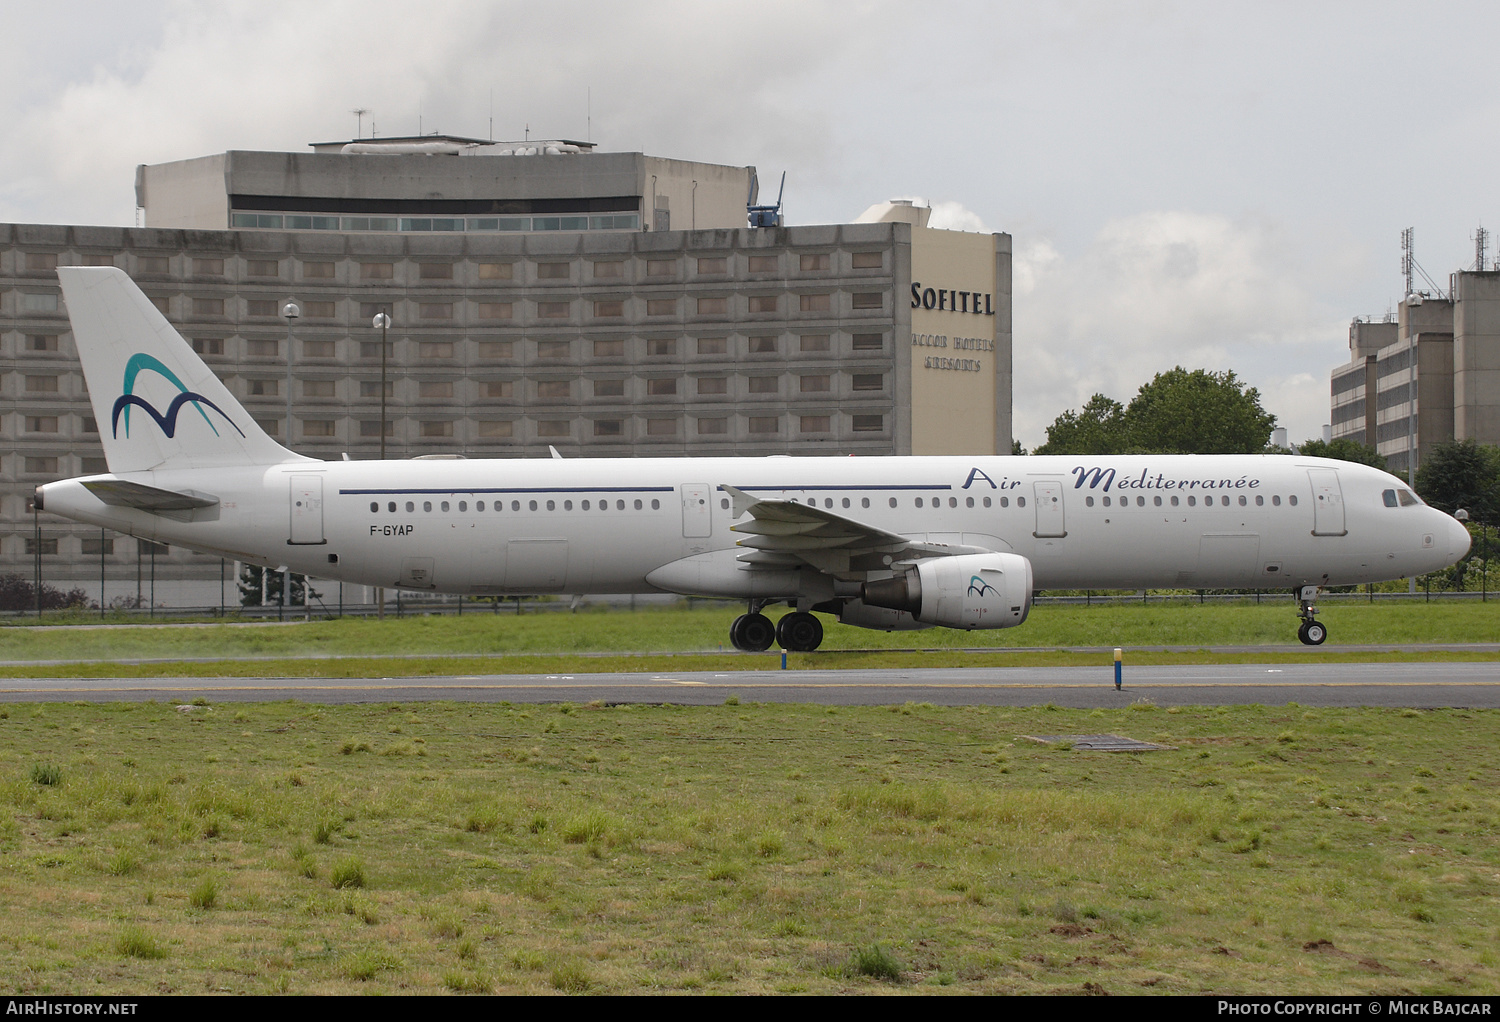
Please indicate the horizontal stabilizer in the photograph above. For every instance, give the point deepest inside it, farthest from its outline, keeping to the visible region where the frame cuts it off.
(120, 493)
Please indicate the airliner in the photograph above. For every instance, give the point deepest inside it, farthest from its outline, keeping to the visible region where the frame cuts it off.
(884, 543)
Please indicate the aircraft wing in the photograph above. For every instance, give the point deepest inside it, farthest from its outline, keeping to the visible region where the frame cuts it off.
(782, 533)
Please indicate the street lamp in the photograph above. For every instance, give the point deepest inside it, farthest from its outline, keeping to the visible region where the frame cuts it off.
(290, 312)
(382, 322)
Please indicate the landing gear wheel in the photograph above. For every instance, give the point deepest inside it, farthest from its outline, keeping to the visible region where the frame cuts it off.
(799, 632)
(752, 633)
(1312, 633)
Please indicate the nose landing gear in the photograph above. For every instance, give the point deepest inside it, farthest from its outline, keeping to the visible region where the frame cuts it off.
(1311, 633)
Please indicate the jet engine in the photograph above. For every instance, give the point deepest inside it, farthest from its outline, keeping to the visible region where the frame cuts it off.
(968, 591)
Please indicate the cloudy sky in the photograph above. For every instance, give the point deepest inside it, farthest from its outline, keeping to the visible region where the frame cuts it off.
(1212, 185)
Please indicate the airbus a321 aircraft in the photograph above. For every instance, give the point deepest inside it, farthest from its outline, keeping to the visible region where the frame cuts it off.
(883, 543)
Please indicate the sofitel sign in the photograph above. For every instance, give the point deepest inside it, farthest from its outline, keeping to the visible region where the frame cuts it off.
(945, 300)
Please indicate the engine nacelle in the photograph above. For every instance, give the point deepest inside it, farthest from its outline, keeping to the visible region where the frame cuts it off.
(968, 591)
(881, 619)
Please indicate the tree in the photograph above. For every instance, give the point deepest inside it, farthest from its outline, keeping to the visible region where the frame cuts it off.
(1463, 474)
(18, 593)
(1198, 412)
(1178, 412)
(1097, 429)
(1342, 449)
(253, 577)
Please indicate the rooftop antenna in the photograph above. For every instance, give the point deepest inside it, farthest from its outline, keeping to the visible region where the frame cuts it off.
(491, 135)
(1408, 262)
(764, 215)
(359, 121)
(589, 123)
(1481, 242)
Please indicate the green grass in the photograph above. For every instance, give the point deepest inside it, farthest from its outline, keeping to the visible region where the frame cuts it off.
(693, 640)
(749, 849)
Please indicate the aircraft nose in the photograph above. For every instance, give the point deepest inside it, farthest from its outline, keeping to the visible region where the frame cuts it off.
(1458, 540)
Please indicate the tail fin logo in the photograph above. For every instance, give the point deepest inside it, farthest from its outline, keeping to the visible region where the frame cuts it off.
(979, 587)
(167, 422)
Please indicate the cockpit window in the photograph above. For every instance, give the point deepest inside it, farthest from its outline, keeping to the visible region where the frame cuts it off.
(1408, 498)
(1389, 496)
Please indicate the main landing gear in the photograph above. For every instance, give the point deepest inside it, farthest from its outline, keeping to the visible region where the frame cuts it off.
(1311, 632)
(798, 632)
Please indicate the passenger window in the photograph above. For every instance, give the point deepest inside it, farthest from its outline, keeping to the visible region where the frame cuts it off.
(427, 505)
(1156, 501)
(1292, 499)
(893, 502)
(1088, 501)
(532, 505)
(584, 505)
(1243, 501)
(919, 502)
(445, 506)
(846, 501)
(1276, 500)
(391, 507)
(619, 505)
(1192, 502)
(1106, 502)
(551, 505)
(463, 505)
(515, 505)
(374, 506)
(968, 502)
(1260, 501)
(410, 506)
(1005, 502)
(1020, 502)
(655, 504)
(638, 504)
(1174, 500)
(724, 503)
(986, 502)
(1224, 500)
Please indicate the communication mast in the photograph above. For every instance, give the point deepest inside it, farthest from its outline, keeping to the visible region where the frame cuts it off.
(1481, 242)
(1408, 261)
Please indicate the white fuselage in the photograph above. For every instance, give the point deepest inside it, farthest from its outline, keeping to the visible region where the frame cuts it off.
(619, 526)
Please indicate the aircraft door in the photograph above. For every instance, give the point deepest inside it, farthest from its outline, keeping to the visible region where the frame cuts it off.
(697, 510)
(307, 511)
(1328, 502)
(1049, 509)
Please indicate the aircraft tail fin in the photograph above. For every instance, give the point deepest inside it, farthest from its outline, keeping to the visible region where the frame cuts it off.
(157, 404)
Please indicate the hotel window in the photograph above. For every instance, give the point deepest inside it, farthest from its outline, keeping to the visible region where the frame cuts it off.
(554, 388)
(371, 427)
(435, 349)
(499, 388)
(208, 345)
(435, 389)
(317, 271)
(377, 271)
(435, 310)
(98, 259)
(867, 260)
(88, 424)
(496, 271)
(763, 423)
(763, 264)
(818, 261)
(661, 346)
(661, 267)
(41, 384)
(369, 310)
(437, 429)
(764, 345)
(868, 381)
(815, 424)
(97, 546)
(40, 303)
(868, 342)
(713, 306)
(164, 304)
(317, 388)
(263, 268)
(262, 349)
(208, 306)
(716, 264)
(608, 427)
(763, 384)
(554, 271)
(609, 349)
(41, 424)
(36, 466)
(613, 268)
(661, 387)
(713, 427)
(869, 423)
(814, 342)
(271, 427)
(37, 261)
(435, 271)
(713, 345)
(496, 310)
(764, 303)
(44, 547)
(208, 267)
(554, 428)
(319, 310)
(661, 306)
(262, 388)
(496, 428)
(553, 310)
(41, 342)
(317, 427)
(151, 264)
(609, 388)
(93, 466)
(371, 388)
(609, 309)
(713, 385)
(814, 384)
(869, 300)
(491, 351)
(554, 349)
(816, 303)
(661, 427)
